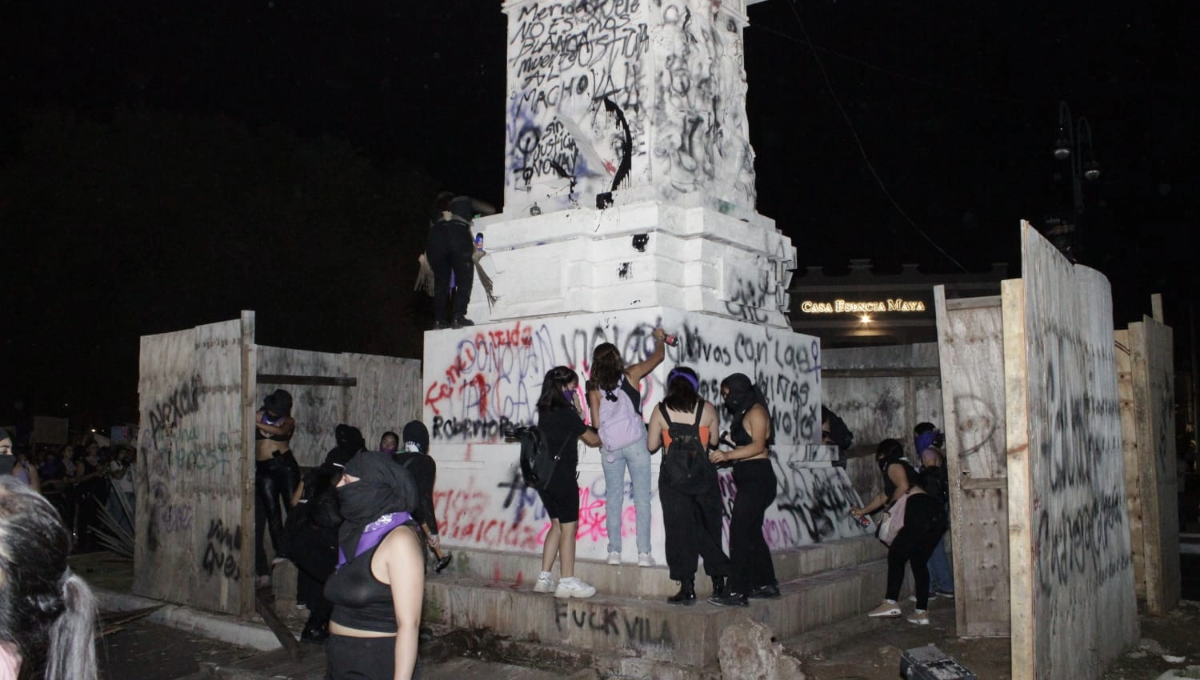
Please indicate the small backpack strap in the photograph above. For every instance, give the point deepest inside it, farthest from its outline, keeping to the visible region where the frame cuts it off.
(662, 407)
(699, 414)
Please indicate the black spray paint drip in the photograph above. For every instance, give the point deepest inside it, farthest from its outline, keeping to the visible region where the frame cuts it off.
(625, 272)
(605, 199)
(640, 241)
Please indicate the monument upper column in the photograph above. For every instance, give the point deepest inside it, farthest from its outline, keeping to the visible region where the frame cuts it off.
(612, 102)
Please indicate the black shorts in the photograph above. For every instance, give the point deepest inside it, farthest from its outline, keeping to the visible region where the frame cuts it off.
(351, 658)
(561, 495)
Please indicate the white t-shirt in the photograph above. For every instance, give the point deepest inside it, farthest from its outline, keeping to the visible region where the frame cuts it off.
(123, 484)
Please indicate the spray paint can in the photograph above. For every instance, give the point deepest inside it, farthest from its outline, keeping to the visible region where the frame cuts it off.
(863, 521)
(671, 340)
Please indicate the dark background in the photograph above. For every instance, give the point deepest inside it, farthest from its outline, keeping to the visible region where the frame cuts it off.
(168, 164)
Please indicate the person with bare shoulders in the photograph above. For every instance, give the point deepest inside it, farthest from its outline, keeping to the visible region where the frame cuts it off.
(752, 573)
(691, 503)
(47, 613)
(378, 588)
(616, 409)
(276, 475)
(560, 418)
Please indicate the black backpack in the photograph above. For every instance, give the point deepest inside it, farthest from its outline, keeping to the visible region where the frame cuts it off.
(537, 464)
(685, 466)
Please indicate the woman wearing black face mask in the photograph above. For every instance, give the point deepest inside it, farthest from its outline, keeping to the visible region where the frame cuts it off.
(751, 573)
(378, 588)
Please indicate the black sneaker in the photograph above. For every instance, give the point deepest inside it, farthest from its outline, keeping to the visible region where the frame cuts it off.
(730, 600)
(461, 321)
(767, 592)
(440, 325)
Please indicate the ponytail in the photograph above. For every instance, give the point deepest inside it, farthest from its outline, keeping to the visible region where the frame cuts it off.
(71, 653)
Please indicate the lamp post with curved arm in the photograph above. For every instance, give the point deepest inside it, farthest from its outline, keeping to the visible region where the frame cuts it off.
(1074, 145)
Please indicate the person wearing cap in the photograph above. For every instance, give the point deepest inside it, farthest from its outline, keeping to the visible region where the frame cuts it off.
(450, 251)
(276, 475)
(415, 456)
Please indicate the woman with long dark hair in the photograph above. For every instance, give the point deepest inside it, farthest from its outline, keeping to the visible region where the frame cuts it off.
(929, 441)
(276, 476)
(560, 419)
(47, 613)
(691, 507)
(378, 588)
(915, 541)
(616, 409)
(752, 573)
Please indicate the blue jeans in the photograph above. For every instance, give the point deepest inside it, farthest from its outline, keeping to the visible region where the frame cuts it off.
(941, 576)
(637, 459)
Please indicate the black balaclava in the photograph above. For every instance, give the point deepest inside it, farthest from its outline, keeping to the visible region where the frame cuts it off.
(349, 442)
(383, 487)
(741, 393)
(415, 432)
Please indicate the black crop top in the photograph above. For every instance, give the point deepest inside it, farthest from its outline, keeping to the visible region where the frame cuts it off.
(258, 434)
(889, 487)
(359, 600)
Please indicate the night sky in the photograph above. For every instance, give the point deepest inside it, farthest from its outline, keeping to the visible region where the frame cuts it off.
(167, 164)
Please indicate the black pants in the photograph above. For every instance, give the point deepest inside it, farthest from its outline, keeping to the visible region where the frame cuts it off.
(923, 527)
(750, 558)
(349, 658)
(451, 249)
(692, 522)
(275, 481)
(314, 552)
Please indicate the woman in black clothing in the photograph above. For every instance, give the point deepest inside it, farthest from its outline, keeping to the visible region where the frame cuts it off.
(561, 421)
(751, 573)
(378, 589)
(915, 542)
(416, 458)
(276, 476)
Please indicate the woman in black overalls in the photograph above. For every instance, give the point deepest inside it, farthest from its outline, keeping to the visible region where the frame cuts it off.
(751, 573)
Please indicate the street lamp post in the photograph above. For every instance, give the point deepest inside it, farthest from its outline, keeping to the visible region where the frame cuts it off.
(1074, 145)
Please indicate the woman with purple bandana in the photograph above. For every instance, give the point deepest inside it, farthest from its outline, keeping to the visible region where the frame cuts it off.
(378, 588)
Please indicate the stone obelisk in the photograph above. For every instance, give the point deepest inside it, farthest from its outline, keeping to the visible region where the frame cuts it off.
(628, 203)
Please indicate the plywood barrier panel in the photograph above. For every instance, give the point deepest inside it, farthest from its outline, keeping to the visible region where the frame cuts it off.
(971, 350)
(387, 394)
(478, 380)
(317, 408)
(189, 494)
(1154, 395)
(1133, 471)
(1084, 612)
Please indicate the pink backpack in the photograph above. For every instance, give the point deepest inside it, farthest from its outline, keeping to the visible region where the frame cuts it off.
(621, 421)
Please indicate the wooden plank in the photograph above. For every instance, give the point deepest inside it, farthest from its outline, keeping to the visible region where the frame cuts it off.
(1154, 396)
(246, 478)
(973, 302)
(1129, 447)
(322, 380)
(266, 609)
(1156, 306)
(970, 347)
(985, 483)
(881, 372)
(1020, 507)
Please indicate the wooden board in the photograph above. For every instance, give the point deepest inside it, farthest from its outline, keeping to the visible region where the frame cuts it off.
(971, 352)
(1070, 519)
(1152, 363)
(190, 495)
(1129, 447)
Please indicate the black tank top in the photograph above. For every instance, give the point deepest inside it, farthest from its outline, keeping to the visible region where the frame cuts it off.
(359, 600)
(889, 487)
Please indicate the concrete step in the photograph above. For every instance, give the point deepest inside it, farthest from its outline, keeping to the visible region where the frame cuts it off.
(629, 580)
(647, 627)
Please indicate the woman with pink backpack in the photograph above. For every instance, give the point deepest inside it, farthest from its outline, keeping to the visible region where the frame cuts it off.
(616, 410)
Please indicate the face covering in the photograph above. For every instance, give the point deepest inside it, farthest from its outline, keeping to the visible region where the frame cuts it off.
(383, 487)
(741, 394)
(925, 440)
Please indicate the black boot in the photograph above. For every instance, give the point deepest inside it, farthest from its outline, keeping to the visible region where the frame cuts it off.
(718, 586)
(686, 595)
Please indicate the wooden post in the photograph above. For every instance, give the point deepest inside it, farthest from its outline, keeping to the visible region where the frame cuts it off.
(249, 394)
(1156, 306)
(1020, 509)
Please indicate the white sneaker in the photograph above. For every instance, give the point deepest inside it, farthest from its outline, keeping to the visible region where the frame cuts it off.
(932, 596)
(919, 617)
(614, 558)
(545, 583)
(645, 560)
(573, 587)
